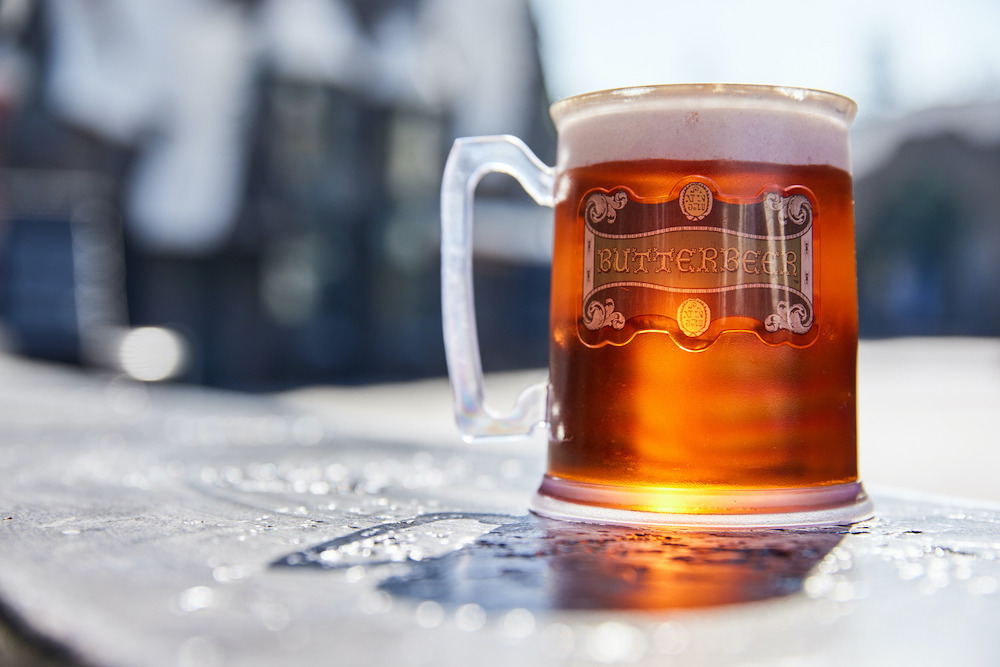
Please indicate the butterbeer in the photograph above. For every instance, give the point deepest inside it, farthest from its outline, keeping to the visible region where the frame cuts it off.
(703, 307)
(741, 411)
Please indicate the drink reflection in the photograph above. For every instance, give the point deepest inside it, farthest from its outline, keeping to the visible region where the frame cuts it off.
(535, 563)
(619, 568)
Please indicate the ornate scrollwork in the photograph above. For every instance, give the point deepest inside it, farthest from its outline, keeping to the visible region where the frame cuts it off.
(603, 208)
(794, 208)
(600, 315)
(793, 318)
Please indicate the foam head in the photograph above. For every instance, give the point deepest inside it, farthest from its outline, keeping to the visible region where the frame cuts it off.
(705, 122)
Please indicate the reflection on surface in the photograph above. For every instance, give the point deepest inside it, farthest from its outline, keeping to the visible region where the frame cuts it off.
(534, 563)
(618, 568)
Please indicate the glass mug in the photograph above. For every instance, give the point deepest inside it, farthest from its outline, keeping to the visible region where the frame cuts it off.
(703, 331)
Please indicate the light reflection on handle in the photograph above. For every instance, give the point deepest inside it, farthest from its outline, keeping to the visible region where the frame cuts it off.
(469, 160)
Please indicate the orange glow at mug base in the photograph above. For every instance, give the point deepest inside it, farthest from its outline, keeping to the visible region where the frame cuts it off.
(837, 504)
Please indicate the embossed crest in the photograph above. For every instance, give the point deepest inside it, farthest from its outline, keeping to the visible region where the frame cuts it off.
(695, 201)
(693, 317)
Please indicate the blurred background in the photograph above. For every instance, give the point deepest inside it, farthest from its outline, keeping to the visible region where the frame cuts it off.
(244, 193)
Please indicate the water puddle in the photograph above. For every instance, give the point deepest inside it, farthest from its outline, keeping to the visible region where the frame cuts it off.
(504, 562)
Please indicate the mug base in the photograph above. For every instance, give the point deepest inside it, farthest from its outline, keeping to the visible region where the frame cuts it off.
(836, 504)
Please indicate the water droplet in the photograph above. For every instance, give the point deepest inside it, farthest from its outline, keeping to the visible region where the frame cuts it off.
(275, 617)
(829, 565)
(319, 488)
(225, 574)
(354, 574)
(818, 585)
(518, 623)
(429, 614)
(232, 475)
(330, 555)
(195, 598)
(613, 641)
(470, 617)
(844, 591)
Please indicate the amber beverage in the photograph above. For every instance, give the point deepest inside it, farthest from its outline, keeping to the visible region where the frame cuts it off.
(731, 407)
(704, 331)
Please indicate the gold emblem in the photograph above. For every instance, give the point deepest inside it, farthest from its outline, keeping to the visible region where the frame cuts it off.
(693, 317)
(696, 201)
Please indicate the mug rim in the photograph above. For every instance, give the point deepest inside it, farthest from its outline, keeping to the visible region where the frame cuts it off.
(736, 95)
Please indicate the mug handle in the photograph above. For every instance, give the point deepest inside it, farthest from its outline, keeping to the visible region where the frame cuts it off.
(469, 160)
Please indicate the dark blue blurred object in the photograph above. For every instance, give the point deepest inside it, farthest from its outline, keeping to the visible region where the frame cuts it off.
(37, 288)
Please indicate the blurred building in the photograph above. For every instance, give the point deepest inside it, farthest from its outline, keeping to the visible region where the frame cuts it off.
(264, 178)
(261, 179)
(927, 197)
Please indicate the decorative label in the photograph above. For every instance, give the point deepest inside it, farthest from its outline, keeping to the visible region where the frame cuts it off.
(698, 264)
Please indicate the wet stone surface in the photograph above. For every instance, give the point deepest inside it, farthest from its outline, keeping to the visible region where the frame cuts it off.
(182, 528)
(535, 563)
